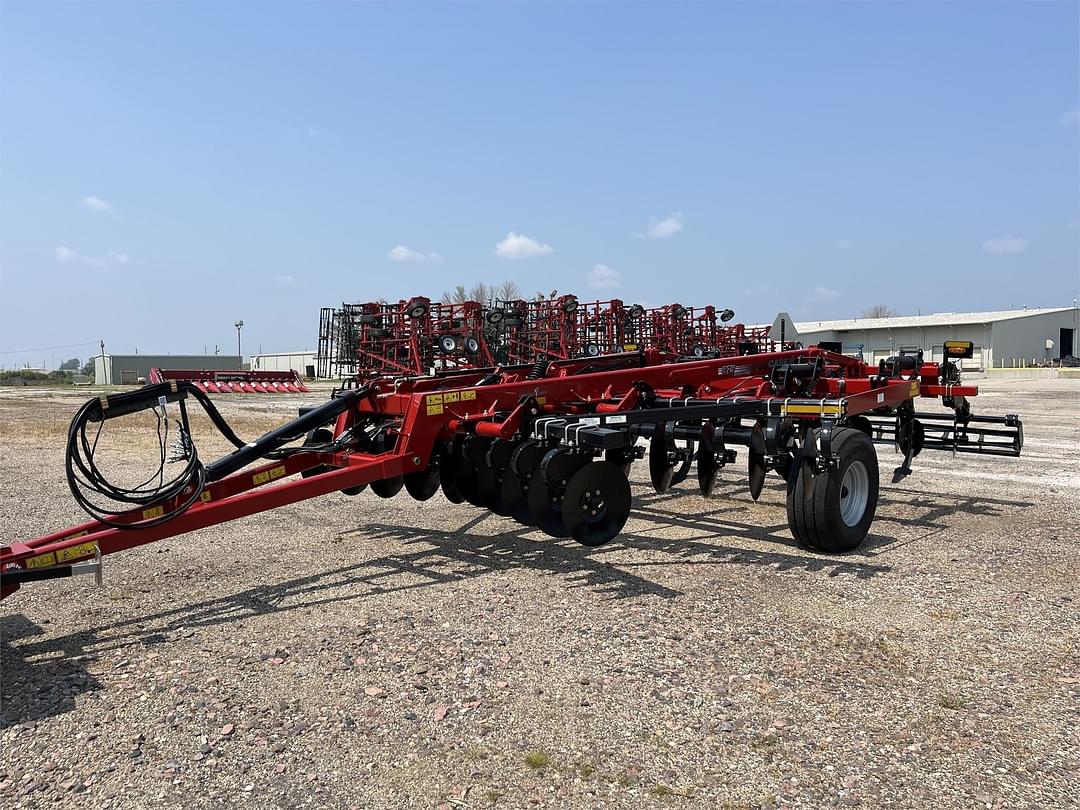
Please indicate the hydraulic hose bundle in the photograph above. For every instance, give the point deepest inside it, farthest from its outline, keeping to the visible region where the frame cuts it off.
(159, 499)
(86, 479)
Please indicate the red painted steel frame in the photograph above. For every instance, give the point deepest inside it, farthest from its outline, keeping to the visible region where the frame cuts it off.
(429, 409)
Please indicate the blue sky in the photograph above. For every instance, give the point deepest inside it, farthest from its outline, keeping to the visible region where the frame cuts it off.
(167, 169)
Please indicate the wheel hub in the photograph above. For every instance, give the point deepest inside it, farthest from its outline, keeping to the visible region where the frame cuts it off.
(854, 493)
(593, 505)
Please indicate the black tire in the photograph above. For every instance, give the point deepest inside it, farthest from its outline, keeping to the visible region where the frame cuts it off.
(832, 511)
(378, 333)
(447, 344)
(861, 424)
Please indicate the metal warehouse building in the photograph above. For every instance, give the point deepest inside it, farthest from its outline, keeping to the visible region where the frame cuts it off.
(128, 369)
(1002, 339)
(303, 362)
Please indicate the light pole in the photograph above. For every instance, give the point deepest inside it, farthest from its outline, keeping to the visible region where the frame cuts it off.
(239, 325)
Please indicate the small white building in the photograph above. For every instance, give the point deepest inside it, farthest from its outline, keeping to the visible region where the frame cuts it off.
(302, 362)
(1002, 339)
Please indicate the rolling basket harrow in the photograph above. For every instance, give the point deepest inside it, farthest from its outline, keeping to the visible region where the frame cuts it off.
(548, 444)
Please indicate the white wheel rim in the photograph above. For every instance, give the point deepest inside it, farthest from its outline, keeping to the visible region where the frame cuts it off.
(854, 493)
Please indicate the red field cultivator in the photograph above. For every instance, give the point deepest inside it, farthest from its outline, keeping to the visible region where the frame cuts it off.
(233, 382)
(418, 336)
(547, 444)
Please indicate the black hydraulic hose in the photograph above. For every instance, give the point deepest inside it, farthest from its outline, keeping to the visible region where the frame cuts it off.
(152, 495)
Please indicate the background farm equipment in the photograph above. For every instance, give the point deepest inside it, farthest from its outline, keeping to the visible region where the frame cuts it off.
(233, 382)
(417, 336)
(549, 445)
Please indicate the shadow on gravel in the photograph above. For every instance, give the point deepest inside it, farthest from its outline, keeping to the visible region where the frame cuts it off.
(929, 510)
(38, 683)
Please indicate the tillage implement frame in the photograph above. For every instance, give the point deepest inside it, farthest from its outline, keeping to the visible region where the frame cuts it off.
(548, 444)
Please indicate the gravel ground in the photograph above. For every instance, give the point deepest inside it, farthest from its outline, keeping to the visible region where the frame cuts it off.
(352, 652)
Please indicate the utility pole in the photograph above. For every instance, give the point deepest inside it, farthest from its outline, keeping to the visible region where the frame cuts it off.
(240, 355)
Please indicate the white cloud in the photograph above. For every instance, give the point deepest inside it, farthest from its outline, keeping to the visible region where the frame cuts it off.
(1005, 245)
(96, 204)
(119, 258)
(285, 281)
(66, 255)
(824, 294)
(602, 277)
(844, 245)
(663, 228)
(520, 246)
(406, 254)
(1071, 116)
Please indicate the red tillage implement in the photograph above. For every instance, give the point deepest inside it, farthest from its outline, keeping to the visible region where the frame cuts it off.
(234, 382)
(548, 444)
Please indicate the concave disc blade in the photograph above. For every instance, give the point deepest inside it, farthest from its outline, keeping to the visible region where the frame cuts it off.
(707, 468)
(661, 470)
(755, 461)
(596, 503)
(545, 507)
(388, 487)
(422, 485)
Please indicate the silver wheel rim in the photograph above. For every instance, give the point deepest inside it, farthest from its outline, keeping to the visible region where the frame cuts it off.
(854, 493)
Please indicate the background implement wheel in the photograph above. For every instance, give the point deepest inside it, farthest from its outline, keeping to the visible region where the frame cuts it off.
(596, 503)
(832, 510)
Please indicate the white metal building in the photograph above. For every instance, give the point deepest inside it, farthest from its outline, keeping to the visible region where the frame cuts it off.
(130, 369)
(302, 362)
(1002, 339)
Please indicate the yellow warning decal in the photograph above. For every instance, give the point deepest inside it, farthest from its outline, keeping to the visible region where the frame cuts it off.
(40, 561)
(433, 399)
(272, 474)
(149, 514)
(811, 410)
(451, 396)
(434, 410)
(541, 400)
(914, 389)
(204, 496)
(82, 550)
(465, 395)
